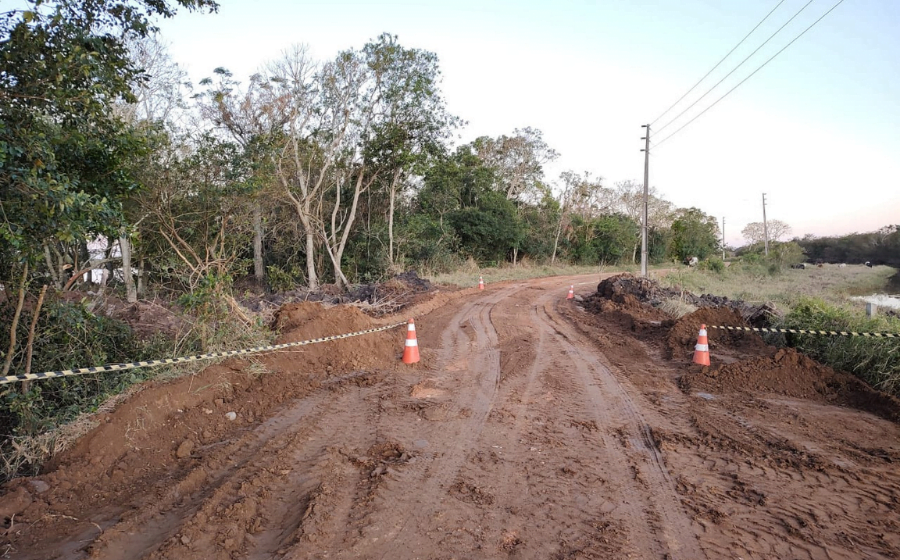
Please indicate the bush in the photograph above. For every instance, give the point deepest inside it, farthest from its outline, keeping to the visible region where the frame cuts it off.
(68, 336)
(875, 360)
(713, 265)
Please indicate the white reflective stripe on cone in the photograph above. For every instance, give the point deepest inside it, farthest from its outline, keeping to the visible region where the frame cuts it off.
(702, 347)
(411, 343)
(702, 332)
(412, 328)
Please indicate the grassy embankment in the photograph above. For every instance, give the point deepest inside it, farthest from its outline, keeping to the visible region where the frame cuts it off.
(817, 298)
(467, 276)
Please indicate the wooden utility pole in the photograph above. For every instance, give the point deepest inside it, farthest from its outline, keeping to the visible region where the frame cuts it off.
(723, 238)
(765, 225)
(646, 151)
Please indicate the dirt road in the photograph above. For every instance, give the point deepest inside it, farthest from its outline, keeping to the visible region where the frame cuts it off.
(531, 429)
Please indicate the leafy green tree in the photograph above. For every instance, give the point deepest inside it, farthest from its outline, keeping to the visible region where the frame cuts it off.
(490, 229)
(63, 152)
(694, 234)
(410, 124)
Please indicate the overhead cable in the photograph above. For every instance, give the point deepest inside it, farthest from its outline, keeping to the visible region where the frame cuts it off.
(754, 72)
(772, 36)
(718, 63)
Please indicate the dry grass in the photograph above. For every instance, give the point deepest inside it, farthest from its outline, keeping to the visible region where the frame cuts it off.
(786, 288)
(468, 277)
(677, 308)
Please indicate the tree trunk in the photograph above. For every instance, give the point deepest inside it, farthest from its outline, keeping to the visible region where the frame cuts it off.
(142, 280)
(312, 278)
(130, 291)
(29, 346)
(394, 182)
(556, 241)
(259, 272)
(15, 321)
(57, 281)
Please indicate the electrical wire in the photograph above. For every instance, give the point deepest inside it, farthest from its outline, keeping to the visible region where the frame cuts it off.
(772, 36)
(754, 72)
(718, 63)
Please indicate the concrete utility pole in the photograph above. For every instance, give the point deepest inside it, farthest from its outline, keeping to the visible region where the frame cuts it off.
(723, 238)
(646, 151)
(765, 226)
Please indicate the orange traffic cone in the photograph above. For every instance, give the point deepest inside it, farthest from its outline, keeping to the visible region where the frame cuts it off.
(411, 350)
(480, 283)
(701, 351)
(571, 292)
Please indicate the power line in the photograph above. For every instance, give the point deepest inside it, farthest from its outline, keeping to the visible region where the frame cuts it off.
(718, 63)
(772, 36)
(763, 65)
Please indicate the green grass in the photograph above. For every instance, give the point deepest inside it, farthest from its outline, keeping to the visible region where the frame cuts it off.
(818, 299)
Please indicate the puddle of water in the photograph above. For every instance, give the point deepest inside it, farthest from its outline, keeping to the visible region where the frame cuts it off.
(881, 300)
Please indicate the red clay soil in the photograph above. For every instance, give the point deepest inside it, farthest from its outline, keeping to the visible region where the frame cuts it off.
(532, 429)
(682, 336)
(793, 374)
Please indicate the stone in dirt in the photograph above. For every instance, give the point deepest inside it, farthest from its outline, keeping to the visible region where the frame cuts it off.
(15, 502)
(185, 449)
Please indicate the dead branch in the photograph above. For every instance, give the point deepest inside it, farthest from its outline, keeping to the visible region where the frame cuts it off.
(30, 344)
(15, 322)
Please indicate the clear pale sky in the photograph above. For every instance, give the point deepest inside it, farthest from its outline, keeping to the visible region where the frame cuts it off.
(816, 129)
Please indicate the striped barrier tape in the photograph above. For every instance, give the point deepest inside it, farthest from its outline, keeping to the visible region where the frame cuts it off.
(804, 331)
(168, 361)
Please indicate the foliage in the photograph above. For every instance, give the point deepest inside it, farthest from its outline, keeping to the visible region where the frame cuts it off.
(69, 335)
(694, 234)
(63, 152)
(877, 361)
(488, 229)
(755, 232)
(880, 247)
(713, 264)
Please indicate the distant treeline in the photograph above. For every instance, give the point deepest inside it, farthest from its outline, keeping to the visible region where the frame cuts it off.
(877, 247)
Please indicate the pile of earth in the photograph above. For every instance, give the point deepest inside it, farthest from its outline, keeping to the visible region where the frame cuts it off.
(683, 335)
(623, 299)
(308, 320)
(146, 318)
(379, 299)
(167, 424)
(792, 374)
(618, 288)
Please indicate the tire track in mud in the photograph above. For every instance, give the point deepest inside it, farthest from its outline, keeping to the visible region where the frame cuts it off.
(230, 489)
(468, 365)
(670, 529)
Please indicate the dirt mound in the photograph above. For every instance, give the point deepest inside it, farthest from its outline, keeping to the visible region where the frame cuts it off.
(146, 318)
(622, 299)
(622, 286)
(793, 374)
(383, 298)
(393, 295)
(618, 288)
(683, 335)
(304, 321)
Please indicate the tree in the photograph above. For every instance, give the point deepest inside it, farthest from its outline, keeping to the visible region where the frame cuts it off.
(582, 195)
(754, 232)
(628, 199)
(694, 234)
(412, 123)
(518, 161)
(63, 150)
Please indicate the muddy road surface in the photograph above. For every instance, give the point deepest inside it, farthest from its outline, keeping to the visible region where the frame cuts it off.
(532, 428)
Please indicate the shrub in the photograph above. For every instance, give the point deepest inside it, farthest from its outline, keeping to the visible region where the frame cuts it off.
(875, 360)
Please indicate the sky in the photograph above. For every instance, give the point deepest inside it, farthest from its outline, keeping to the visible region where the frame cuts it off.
(816, 129)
